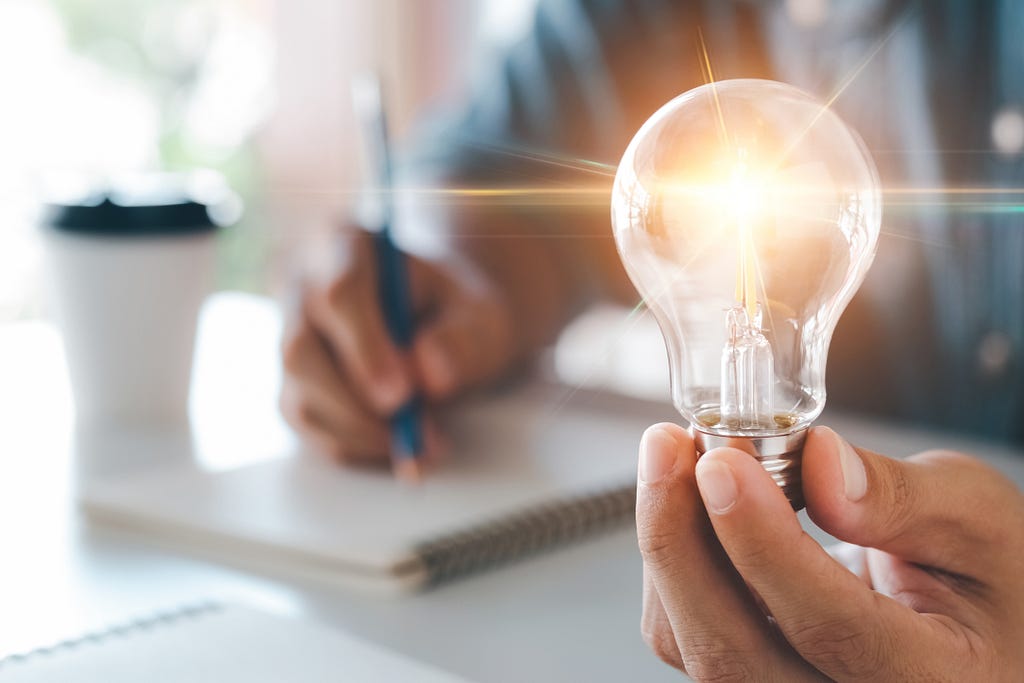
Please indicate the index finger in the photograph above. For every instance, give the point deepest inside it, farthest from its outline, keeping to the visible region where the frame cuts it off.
(719, 629)
(346, 311)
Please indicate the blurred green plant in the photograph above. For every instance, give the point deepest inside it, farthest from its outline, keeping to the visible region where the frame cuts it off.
(160, 47)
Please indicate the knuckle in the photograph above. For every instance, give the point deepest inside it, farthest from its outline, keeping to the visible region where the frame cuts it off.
(969, 466)
(944, 457)
(326, 447)
(656, 546)
(661, 641)
(757, 556)
(337, 451)
(330, 446)
(303, 413)
(849, 647)
(711, 660)
(344, 287)
(287, 404)
(901, 490)
(901, 500)
(293, 351)
(973, 649)
(380, 360)
(296, 408)
(444, 388)
(373, 446)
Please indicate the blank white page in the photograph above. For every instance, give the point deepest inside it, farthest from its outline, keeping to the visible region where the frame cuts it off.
(534, 445)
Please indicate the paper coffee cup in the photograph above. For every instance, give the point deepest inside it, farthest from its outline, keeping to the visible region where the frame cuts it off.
(128, 273)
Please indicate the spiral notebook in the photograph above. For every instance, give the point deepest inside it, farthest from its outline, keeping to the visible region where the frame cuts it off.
(212, 642)
(530, 470)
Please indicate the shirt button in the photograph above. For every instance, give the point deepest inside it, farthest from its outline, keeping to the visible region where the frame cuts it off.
(1008, 131)
(994, 354)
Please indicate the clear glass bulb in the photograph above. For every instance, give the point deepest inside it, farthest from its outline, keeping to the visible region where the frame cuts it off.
(747, 213)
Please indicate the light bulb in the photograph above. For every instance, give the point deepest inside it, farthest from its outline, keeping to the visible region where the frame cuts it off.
(747, 213)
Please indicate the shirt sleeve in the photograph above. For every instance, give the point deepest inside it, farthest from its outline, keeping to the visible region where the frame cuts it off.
(571, 93)
(557, 109)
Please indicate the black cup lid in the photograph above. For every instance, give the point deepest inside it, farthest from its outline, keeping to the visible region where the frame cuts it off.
(106, 217)
(153, 204)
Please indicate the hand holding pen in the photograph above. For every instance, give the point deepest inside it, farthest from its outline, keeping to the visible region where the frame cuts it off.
(351, 380)
(395, 297)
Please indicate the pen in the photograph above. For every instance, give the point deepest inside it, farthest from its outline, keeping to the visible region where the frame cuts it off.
(392, 276)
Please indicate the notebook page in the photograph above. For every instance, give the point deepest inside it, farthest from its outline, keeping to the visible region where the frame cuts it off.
(513, 452)
(230, 644)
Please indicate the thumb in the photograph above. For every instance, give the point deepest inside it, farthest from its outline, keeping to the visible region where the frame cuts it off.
(933, 509)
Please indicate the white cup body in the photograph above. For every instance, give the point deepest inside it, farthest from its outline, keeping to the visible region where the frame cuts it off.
(127, 309)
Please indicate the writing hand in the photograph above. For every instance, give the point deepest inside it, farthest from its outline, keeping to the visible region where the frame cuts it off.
(343, 375)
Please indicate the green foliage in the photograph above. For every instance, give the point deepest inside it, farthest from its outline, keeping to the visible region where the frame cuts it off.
(135, 40)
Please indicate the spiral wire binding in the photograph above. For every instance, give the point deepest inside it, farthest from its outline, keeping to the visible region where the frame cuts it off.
(122, 630)
(525, 533)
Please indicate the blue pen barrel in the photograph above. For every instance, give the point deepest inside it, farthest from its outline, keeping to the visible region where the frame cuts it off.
(393, 285)
(396, 303)
(405, 429)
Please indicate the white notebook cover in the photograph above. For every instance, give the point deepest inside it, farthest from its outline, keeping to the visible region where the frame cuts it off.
(302, 514)
(229, 643)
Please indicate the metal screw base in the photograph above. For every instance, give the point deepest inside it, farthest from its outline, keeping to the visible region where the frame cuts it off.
(780, 455)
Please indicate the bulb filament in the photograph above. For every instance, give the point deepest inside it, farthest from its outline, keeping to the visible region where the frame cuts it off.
(743, 196)
(746, 273)
(748, 373)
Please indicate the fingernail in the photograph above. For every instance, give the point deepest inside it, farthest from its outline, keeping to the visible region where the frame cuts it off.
(855, 477)
(408, 472)
(437, 367)
(391, 390)
(657, 455)
(717, 485)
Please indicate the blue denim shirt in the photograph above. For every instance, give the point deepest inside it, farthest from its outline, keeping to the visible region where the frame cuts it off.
(936, 333)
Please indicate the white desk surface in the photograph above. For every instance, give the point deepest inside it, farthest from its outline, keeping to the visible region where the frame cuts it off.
(569, 615)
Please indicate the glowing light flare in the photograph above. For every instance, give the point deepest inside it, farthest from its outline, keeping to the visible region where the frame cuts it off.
(743, 194)
(744, 199)
(739, 200)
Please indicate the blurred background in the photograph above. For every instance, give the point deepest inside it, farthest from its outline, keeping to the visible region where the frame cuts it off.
(254, 89)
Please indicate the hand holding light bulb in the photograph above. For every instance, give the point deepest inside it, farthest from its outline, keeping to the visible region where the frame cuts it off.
(929, 585)
(747, 264)
(747, 214)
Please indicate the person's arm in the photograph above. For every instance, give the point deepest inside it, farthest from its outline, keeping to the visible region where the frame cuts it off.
(930, 586)
(555, 115)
